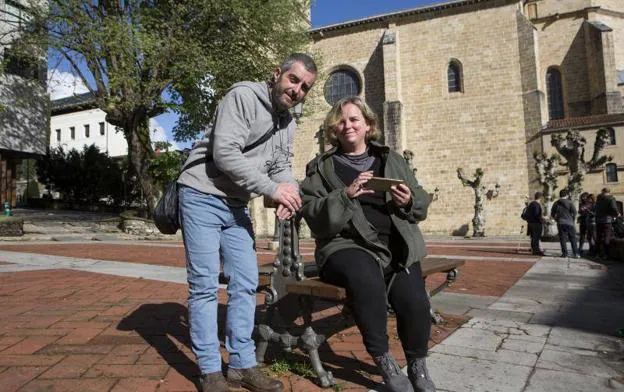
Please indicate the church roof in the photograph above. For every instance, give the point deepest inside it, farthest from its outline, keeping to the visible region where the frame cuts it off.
(444, 5)
(585, 122)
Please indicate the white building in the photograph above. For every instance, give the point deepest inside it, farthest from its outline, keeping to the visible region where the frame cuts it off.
(76, 122)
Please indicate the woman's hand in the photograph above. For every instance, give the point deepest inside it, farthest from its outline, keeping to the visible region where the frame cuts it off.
(401, 194)
(356, 188)
(283, 213)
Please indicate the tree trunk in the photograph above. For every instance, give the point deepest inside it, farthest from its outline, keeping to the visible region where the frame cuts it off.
(140, 153)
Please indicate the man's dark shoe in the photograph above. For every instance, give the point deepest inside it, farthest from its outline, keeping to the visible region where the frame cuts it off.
(214, 382)
(419, 376)
(254, 380)
(392, 375)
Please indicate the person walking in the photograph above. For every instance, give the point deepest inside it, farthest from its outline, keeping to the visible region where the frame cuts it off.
(245, 153)
(564, 213)
(606, 212)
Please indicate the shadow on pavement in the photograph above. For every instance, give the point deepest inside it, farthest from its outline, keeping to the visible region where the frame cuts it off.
(165, 327)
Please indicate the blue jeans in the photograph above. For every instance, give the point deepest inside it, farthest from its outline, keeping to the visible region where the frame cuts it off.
(213, 232)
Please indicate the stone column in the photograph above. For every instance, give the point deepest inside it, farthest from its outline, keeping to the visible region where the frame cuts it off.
(393, 107)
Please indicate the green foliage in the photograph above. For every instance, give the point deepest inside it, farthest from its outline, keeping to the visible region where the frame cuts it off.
(165, 165)
(85, 176)
(134, 55)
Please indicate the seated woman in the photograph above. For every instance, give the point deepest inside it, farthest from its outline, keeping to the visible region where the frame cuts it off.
(369, 242)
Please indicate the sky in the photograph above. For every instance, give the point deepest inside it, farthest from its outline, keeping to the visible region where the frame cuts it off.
(324, 12)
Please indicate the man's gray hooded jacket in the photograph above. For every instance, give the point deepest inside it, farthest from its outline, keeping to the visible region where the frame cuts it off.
(244, 115)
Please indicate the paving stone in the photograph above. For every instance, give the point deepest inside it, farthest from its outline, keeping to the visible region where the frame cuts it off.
(560, 381)
(453, 373)
(474, 338)
(519, 304)
(495, 315)
(508, 327)
(566, 337)
(500, 355)
(532, 345)
(592, 365)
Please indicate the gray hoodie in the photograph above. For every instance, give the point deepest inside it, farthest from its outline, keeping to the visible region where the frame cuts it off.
(244, 115)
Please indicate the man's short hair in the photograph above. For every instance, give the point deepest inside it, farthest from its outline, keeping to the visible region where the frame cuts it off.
(538, 195)
(563, 193)
(307, 61)
(605, 190)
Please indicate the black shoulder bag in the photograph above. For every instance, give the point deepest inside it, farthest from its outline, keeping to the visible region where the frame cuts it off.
(166, 216)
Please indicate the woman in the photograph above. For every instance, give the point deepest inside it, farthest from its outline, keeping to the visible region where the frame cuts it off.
(369, 242)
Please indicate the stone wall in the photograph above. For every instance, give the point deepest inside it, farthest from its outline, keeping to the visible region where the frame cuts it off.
(494, 123)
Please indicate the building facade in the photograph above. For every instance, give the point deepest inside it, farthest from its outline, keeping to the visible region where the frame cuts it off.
(23, 104)
(479, 84)
(76, 122)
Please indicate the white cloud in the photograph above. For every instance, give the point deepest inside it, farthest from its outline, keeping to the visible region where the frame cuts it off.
(64, 84)
(158, 134)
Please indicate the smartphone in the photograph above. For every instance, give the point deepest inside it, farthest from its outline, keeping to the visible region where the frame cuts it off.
(381, 184)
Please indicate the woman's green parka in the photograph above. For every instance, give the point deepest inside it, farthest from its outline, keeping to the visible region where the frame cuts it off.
(338, 222)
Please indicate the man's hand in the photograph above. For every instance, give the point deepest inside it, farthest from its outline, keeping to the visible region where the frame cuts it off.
(401, 194)
(287, 195)
(283, 213)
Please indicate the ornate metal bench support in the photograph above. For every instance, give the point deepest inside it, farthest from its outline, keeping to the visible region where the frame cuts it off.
(451, 276)
(288, 267)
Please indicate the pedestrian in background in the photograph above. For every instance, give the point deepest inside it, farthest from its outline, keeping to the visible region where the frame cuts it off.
(564, 213)
(606, 212)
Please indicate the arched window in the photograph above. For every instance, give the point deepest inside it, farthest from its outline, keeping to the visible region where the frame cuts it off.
(554, 89)
(340, 84)
(611, 134)
(611, 170)
(454, 74)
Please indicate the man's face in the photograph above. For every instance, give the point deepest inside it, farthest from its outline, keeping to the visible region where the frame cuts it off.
(291, 86)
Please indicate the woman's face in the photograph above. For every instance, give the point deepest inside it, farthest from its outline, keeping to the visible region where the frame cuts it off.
(352, 129)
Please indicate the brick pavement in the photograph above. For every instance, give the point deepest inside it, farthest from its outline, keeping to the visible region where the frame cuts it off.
(66, 330)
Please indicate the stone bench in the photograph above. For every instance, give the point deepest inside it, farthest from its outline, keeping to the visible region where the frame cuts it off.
(291, 287)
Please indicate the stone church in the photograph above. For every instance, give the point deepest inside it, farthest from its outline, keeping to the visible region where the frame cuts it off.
(478, 84)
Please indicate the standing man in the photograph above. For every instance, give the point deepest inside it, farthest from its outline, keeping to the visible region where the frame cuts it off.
(245, 153)
(534, 223)
(564, 213)
(606, 212)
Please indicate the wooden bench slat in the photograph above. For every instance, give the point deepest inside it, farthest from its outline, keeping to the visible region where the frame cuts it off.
(315, 287)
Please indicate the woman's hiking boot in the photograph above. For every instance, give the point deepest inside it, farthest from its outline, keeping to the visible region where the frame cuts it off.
(392, 375)
(419, 376)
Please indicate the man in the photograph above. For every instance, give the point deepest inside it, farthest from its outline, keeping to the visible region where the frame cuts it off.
(245, 153)
(564, 213)
(606, 212)
(534, 221)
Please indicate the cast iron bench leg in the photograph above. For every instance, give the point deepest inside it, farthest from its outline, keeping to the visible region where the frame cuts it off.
(311, 341)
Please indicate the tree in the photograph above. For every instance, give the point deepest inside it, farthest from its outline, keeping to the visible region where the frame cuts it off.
(478, 221)
(572, 148)
(140, 58)
(67, 172)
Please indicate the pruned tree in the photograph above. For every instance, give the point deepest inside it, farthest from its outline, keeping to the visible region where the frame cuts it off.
(572, 148)
(478, 221)
(139, 58)
(545, 167)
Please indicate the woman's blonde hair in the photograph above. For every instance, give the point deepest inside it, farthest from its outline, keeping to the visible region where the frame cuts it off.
(334, 117)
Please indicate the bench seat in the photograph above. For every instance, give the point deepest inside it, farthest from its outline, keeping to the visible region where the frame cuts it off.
(313, 286)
